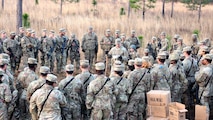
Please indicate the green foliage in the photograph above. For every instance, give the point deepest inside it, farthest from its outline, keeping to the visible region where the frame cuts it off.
(135, 4)
(122, 11)
(169, 42)
(197, 32)
(94, 2)
(36, 2)
(194, 4)
(26, 20)
(141, 40)
(71, 1)
(150, 4)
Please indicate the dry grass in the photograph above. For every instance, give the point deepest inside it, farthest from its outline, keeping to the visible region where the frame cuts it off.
(77, 17)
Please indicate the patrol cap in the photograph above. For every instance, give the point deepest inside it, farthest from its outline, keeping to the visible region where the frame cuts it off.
(180, 39)
(12, 33)
(117, 32)
(122, 34)
(176, 36)
(178, 52)
(32, 61)
(163, 34)
(133, 32)
(166, 53)
(61, 30)
(187, 48)
(4, 56)
(100, 66)
(117, 62)
(33, 31)
(207, 56)
(4, 61)
(117, 41)
(84, 62)
(131, 62)
(69, 67)
(2, 32)
(90, 28)
(194, 35)
(52, 31)
(174, 56)
(161, 55)
(146, 50)
(44, 69)
(29, 30)
(51, 78)
(138, 61)
(119, 67)
(72, 35)
(1, 73)
(108, 30)
(44, 30)
(154, 38)
(21, 28)
(205, 49)
(133, 47)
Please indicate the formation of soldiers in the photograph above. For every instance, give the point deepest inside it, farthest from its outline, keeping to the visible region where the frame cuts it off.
(115, 89)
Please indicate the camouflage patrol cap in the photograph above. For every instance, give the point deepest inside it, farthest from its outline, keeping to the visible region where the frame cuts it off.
(146, 50)
(12, 33)
(69, 67)
(4, 61)
(131, 62)
(117, 32)
(178, 52)
(182, 56)
(108, 30)
(202, 42)
(180, 39)
(90, 28)
(33, 31)
(154, 38)
(61, 30)
(100, 66)
(187, 48)
(133, 47)
(176, 36)
(21, 28)
(163, 34)
(44, 30)
(207, 56)
(119, 67)
(4, 56)
(44, 69)
(138, 61)
(117, 62)
(205, 49)
(84, 62)
(174, 56)
(51, 78)
(52, 31)
(32, 61)
(2, 32)
(133, 32)
(72, 35)
(122, 34)
(161, 55)
(194, 35)
(29, 30)
(117, 41)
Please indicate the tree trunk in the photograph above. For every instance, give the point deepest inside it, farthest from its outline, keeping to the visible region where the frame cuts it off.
(163, 8)
(199, 11)
(144, 9)
(61, 5)
(2, 4)
(19, 15)
(172, 8)
(129, 9)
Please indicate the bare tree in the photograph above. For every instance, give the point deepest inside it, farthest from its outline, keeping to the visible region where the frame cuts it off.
(2, 4)
(163, 8)
(61, 5)
(19, 15)
(172, 8)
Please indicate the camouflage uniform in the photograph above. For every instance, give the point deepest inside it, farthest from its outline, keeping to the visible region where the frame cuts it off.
(139, 83)
(74, 53)
(133, 53)
(36, 44)
(73, 91)
(130, 68)
(40, 43)
(124, 42)
(152, 47)
(90, 46)
(53, 107)
(164, 42)
(99, 98)
(195, 46)
(3, 37)
(5, 97)
(180, 44)
(133, 40)
(61, 50)
(150, 57)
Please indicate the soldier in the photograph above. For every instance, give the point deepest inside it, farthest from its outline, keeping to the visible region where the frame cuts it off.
(73, 91)
(124, 89)
(130, 68)
(164, 42)
(74, 51)
(10, 47)
(23, 81)
(86, 77)
(61, 50)
(160, 74)
(90, 46)
(146, 54)
(42, 56)
(100, 94)
(139, 80)
(203, 50)
(5, 96)
(18, 38)
(133, 40)
(117, 34)
(107, 42)
(174, 43)
(36, 44)
(124, 42)
(179, 81)
(152, 46)
(208, 42)
(133, 52)
(195, 46)
(47, 102)
(48, 47)
(2, 38)
(204, 80)
(180, 44)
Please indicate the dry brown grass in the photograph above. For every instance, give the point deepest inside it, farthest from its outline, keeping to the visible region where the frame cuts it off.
(77, 17)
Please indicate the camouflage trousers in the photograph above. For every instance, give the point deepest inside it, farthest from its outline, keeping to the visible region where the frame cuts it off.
(49, 62)
(72, 111)
(24, 107)
(100, 114)
(176, 94)
(205, 101)
(75, 57)
(90, 55)
(120, 111)
(3, 111)
(61, 61)
(42, 58)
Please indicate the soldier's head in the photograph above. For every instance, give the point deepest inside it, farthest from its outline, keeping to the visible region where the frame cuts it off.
(117, 33)
(3, 34)
(73, 36)
(33, 33)
(62, 31)
(176, 36)
(44, 32)
(107, 32)
(28, 33)
(163, 35)
(32, 63)
(161, 58)
(187, 51)
(123, 37)
(132, 33)
(154, 39)
(44, 70)
(84, 65)
(132, 48)
(51, 33)
(194, 38)
(206, 59)
(146, 52)
(146, 62)
(131, 64)
(118, 42)
(182, 57)
(180, 40)
(51, 80)
(174, 57)
(204, 50)
(100, 68)
(12, 35)
(69, 69)
(21, 30)
(90, 29)
(4, 63)
(138, 63)
(119, 69)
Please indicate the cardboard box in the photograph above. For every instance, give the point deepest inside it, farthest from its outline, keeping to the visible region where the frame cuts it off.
(158, 111)
(158, 98)
(201, 113)
(156, 118)
(177, 111)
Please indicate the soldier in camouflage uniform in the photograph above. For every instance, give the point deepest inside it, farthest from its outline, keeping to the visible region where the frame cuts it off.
(204, 80)
(124, 42)
(130, 68)
(61, 50)
(195, 46)
(180, 44)
(160, 74)
(86, 77)
(19, 49)
(133, 40)
(152, 47)
(174, 43)
(10, 47)
(5, 97)
(73, 91)
(107, 42)
(36, 44)
(23, 81)
(48, 47)
(146, 54)
(74, 51)
(179, 81)
(40, 44)
(133, 52)
(100, 95)
(90, 46)
(124, 89)
(164, 42)
(47, 102)
(139, 83)
(202, 51)
(117, 34)
(2, 38)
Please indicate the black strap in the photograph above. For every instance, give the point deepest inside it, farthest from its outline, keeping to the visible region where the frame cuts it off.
(187, 72)
(68, 83)
(87, 78)
(37, 89)
(102, 86)
(119, 80)
(42, 106)
(205, 87)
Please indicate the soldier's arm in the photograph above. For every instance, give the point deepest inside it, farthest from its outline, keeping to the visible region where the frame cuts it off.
(5, 47)
(90, 97)
(8, 95)
(33, 107)
(23, 45)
